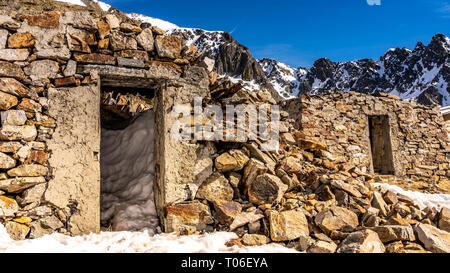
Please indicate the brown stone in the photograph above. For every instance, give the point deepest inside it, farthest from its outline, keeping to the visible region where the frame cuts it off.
(103, 44)
(193, 214)
(322, 247)
(347, 187)
(287, 225)
(255, 240)
(135, 54)
(7, 101)
(28, 170)
(253, 169)
(216, 187)
(119, 41)
(28, 105)
(8, 69)
(10, 146)
(310, 144)
(6, 162)
(226, 211)
(168, 46)
(14, 132)
(234, 160)
(14, 87)
(103, 29)
(8, 206)
(444, 219)
(21, 40)
(130, 28)
(391, 233)
(17, 231)
(67, 81)
(95, 58)
(390, 198)
(365, 241)
(46, 20)
(378, 202)
(245, 218)
(266, 189)
(434, 239)
(145, 39)
(336, 218)
(17, 185)
(39, 157)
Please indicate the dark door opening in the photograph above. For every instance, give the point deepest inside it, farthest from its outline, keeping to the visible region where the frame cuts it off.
(380, 142)
(127, 160)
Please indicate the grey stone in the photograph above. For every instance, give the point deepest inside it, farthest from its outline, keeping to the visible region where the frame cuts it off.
(44, 69)
(13, 55)
(127, 62)
(13, 117)
(145, 39)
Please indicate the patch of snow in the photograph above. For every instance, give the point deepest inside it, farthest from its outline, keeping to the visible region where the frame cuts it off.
(422, 200)
(128, 169)
(248, 85)
(73, 2)
(132, 242)
(164, 25)
(103, 5)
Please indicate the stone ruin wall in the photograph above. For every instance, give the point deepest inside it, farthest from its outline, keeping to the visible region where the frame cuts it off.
(52, 65)
(420, 146)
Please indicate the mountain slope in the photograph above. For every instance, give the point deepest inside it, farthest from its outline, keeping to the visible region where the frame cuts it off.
(422, 74)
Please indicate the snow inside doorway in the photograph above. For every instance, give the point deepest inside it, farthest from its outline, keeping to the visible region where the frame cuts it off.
(127, 160)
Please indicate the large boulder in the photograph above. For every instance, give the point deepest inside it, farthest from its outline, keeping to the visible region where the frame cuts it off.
(287, 225)
(216, 187)
(266, 189)
(365, 241)
(187, 217)
(444, 219)
(391, 233)
(336, 218)
(227, 211)
(433, 239)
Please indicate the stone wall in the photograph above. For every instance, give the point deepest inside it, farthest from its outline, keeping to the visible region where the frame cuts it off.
(341, 121)
(52, 67)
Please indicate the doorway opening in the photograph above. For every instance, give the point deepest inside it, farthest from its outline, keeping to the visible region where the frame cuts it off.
(127, 159)
(380, 142)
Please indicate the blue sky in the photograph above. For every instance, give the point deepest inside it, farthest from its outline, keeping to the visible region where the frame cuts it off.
(299, 32)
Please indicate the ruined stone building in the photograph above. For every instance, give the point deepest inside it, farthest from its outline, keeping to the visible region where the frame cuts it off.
(86, 103)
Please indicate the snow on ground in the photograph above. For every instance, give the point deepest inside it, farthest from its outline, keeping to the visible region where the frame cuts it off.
(73, 2)
(132, 242)
(422, 200)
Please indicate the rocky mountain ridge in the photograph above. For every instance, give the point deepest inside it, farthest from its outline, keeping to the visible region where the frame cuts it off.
(422, 74)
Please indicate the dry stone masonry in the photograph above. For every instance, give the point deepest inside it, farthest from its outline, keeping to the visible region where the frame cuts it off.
(74, 80)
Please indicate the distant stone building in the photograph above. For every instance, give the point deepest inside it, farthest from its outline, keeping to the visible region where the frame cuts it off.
(377, 134)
